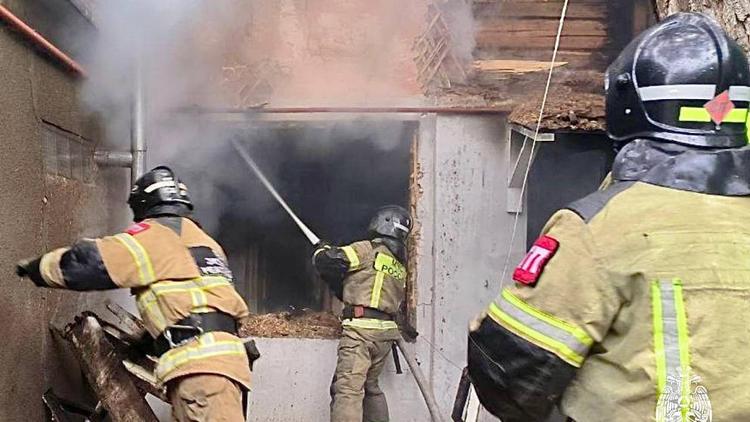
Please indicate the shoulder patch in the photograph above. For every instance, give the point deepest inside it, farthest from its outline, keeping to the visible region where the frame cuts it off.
(532, 265)
(387, 264)
(137, 228)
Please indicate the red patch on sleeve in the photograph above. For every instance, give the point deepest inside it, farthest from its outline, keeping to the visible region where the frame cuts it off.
(531, 267)
(137, 228)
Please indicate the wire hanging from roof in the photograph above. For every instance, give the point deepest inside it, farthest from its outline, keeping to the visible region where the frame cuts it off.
(563, 13)
(534, 141)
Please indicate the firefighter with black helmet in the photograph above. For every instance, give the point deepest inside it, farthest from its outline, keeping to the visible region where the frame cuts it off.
(183, 289)
(369, 276)
(633, 304)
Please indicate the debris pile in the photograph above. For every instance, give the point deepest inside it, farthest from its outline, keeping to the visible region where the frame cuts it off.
(577, 111)
(109, 347)
(298, 324)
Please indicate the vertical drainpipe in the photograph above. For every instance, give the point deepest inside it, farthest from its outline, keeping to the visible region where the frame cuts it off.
(138, 128)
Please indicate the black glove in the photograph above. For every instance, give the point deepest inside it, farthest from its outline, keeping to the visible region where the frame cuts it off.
(322, 244)
(252, 352)
(146, 345)
(403, 323)
(409, 332)
(29, 268)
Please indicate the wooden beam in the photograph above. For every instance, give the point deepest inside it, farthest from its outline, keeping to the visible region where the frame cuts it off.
(513, 66)
(541, 9)
(415, 195)
(574, 59)
(539, 40)
(106, 374)
(596, 28)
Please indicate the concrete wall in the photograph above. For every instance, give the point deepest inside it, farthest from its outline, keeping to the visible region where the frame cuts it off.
(37, 212)
(465, 236)
(464, 232)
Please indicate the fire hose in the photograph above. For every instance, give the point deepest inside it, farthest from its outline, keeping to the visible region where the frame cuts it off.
(411, 361)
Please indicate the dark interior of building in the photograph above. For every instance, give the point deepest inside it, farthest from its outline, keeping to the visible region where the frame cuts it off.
(563, 171)
(333, 175)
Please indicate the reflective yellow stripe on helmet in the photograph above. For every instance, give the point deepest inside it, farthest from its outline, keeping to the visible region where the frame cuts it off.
(140, 256)
(701, 115)
(351, 255)
(205, 347)
(562, 338)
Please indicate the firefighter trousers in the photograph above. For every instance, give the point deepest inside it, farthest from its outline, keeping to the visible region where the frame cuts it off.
(204, 398)
(355, 393)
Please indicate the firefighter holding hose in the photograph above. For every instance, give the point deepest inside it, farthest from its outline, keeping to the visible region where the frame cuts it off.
(183, 289)
(369, 276)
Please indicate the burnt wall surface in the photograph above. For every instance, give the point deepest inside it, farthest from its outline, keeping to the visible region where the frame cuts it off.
(38, 212)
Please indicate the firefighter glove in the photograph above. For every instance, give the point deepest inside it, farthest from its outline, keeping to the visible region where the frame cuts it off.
(322, 244)
(29, 268)
(253, 353)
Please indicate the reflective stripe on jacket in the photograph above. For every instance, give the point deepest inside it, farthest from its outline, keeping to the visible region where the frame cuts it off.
(647, 299)
(376, 279)
(174, 269)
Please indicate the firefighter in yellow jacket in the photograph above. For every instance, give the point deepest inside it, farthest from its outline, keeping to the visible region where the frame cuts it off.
(369, 276)
(183, 289)
(633, 305)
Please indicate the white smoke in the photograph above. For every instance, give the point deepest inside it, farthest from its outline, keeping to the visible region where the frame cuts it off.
(235, 53)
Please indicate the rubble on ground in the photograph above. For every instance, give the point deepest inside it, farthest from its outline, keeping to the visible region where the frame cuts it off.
(298, 324)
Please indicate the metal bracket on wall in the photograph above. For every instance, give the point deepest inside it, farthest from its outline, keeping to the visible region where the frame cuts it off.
(520, 146)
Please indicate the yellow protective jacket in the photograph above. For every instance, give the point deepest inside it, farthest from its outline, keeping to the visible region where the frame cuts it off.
(174, 269)
(369, 275)
(631, 306)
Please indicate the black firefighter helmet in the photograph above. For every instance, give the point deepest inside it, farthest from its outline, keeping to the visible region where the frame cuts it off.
(682, 81)
(159, 192)
(391, 221)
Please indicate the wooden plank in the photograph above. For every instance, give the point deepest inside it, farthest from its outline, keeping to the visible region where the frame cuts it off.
(105, 373)
(145, 380)
(574, 59)
(541, 9)
(513, 66)
(415, 196)
(538, 41)
(586, 27)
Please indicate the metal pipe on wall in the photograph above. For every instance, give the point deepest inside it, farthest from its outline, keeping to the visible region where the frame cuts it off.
(113, 158)
(135, 159)
(138, 130)
(40, 41)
